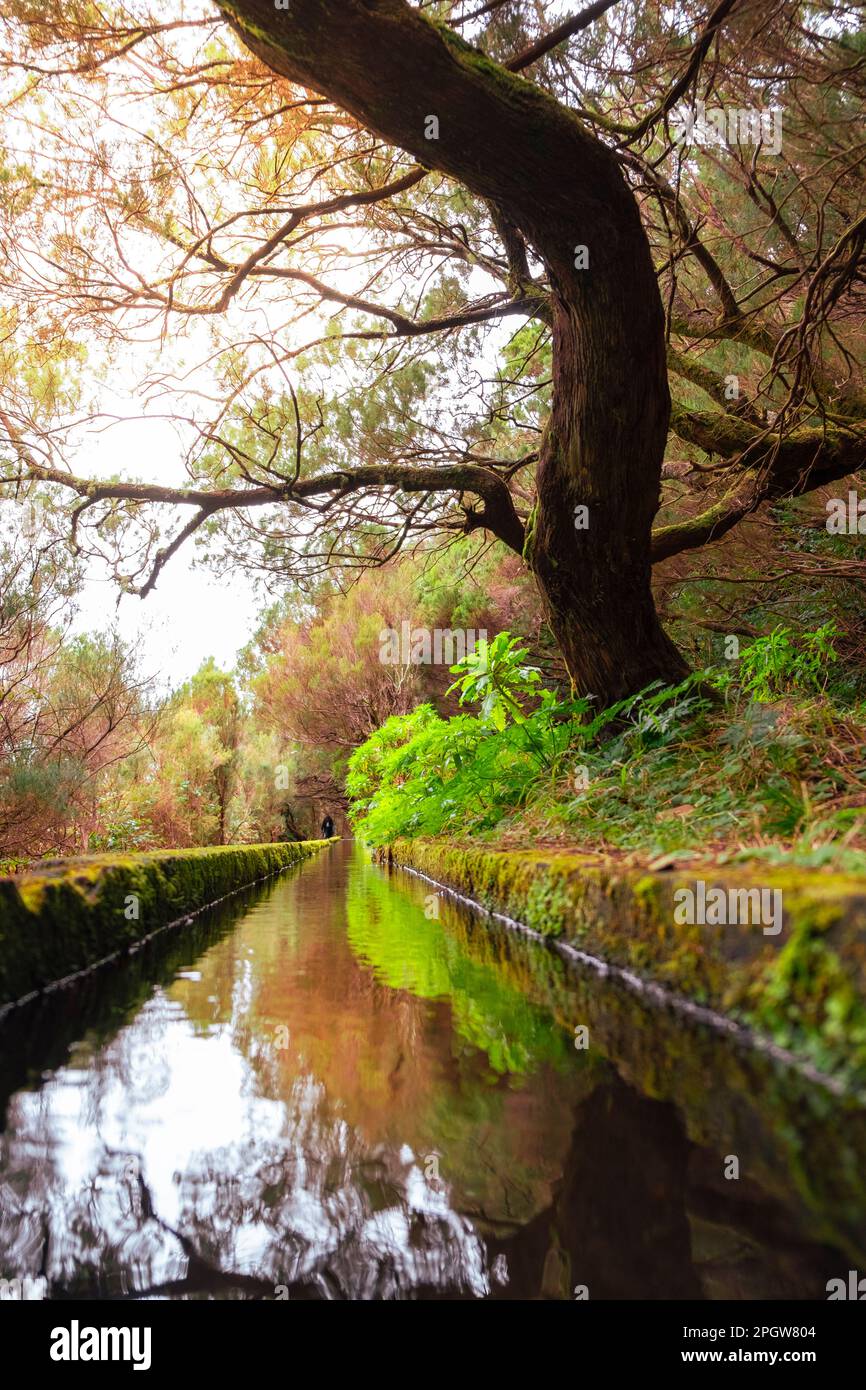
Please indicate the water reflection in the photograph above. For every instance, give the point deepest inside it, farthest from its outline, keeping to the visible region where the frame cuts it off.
(330, 1096)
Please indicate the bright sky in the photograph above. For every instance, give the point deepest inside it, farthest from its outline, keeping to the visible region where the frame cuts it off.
(190, 617)
(191, 614)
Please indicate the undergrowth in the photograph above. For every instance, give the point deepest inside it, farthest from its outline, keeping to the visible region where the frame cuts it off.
(762, 764)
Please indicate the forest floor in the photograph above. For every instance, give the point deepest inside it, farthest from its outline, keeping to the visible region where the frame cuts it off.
(782, 782)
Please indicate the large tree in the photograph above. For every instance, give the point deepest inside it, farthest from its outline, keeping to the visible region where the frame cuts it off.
(547, 181)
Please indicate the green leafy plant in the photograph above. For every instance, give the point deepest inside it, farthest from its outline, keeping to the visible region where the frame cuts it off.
(496, 675)
(670, 772)
(784, 661)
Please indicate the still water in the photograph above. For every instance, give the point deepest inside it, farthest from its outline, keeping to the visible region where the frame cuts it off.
(341, 1086)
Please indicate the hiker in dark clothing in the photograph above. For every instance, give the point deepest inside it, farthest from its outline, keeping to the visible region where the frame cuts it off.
(327, 828)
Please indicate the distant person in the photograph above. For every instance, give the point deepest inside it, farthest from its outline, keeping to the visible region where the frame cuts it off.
(327, 828)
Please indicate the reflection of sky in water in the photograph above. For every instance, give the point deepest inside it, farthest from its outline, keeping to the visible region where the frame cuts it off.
(163, 1092)
(269, 1117)
(187, 1142)
(182, 1109)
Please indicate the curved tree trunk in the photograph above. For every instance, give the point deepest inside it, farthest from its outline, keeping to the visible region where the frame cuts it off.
(511, 143)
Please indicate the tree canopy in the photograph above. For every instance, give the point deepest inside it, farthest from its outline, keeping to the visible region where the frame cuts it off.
(397, 271)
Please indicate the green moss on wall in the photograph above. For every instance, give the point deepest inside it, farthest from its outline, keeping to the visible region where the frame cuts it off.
(71, 913)
(804, 988)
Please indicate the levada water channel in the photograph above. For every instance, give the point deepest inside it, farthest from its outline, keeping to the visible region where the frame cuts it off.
(340, 1086)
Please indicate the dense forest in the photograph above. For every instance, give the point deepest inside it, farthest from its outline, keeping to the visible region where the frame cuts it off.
(760, 753)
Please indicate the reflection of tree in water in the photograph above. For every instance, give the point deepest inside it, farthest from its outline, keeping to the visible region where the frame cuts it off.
(83, 1239)
(618, 1223)
(630, 1217)
(318, 1207)
(328, 1213)
(318, 1212)
(555, 1173)
(139, 1053)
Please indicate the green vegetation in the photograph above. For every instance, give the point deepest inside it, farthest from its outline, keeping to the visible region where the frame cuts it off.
(76, 912)
(504, 366)
(761, 766)
(94, 757)
(776, 664)
(390, 932)
(770, 766)
(804, 989)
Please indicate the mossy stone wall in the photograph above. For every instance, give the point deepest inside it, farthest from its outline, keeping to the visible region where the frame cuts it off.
(71, 913)
(804, 988)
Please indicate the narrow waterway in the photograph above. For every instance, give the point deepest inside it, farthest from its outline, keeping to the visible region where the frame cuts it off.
(346, 1086)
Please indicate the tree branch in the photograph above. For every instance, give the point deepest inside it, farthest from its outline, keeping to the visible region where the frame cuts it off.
(558, 35)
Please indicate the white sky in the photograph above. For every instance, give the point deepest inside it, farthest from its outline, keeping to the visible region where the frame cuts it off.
(191, 614)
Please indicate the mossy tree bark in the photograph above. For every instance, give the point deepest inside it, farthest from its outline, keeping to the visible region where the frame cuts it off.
(514, 145)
